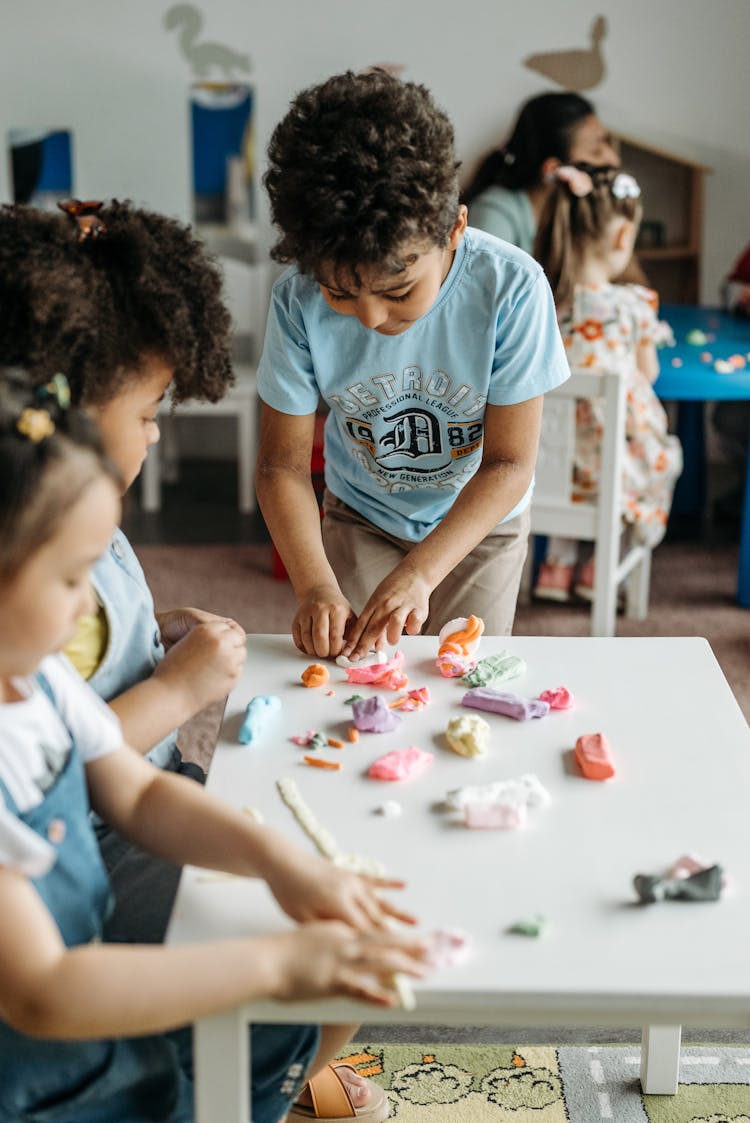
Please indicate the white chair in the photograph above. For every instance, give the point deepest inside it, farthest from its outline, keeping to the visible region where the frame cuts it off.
(599, 521)
(246, 291)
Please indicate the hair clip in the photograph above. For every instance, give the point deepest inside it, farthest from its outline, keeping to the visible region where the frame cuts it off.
(36, 424)
(58, 388)
(624, 186)
(579, 182)
(86, 216)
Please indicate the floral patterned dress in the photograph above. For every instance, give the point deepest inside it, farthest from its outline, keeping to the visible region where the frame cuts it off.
(603, 331)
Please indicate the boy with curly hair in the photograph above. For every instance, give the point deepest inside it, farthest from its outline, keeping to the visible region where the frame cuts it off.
(432, 345)
(127, 304)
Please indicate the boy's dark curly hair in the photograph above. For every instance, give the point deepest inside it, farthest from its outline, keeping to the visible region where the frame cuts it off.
(97, 309)
(360, 165)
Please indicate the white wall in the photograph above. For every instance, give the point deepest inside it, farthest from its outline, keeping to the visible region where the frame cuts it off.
(678, 76)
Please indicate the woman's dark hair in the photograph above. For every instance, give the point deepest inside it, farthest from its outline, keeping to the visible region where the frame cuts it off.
(360, 165)
(570, 223)
(99, 308)
(49, 455)
(544, 127)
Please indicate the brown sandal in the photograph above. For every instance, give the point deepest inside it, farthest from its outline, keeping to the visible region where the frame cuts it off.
(332, 1103)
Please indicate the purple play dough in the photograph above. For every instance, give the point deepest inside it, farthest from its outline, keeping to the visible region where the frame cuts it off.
(510, 705)
(371, 715)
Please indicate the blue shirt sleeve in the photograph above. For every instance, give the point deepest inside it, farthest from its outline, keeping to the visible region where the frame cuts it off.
(529, 354)
(286, 377)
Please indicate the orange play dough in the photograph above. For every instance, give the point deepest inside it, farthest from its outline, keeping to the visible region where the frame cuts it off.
(315, 675)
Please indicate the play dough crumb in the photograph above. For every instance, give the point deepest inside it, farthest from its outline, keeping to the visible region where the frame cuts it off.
(532, 925)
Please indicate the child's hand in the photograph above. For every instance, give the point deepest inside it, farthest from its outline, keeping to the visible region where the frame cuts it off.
(205, 664)
(329, 958)
(400, 604)
(312, 888)
(321, 621)
(177, 622)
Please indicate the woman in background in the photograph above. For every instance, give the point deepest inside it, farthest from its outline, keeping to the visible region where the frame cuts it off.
(508, 190)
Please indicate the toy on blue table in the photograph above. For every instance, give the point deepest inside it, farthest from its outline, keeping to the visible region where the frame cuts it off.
(257, 713)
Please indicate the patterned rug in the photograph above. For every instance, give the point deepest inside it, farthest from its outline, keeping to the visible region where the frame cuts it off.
(548, 1084)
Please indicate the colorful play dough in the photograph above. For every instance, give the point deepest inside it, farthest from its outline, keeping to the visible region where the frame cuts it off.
(457, 643)
(369, 660)
(510, 705)
(703, 885)
(257, 712)
(415, 699)
(401, 764)
(594, 756)
(495, 816)
(322, 838)
(315, 675)
(388, 674)
(495, 668)
(559, 698)
(499, 805)
(532, 925)
(372, 715)
(390, 809)
(447, 947)
(468, 735)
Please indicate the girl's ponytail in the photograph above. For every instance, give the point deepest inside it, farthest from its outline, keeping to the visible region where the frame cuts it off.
(579, 208)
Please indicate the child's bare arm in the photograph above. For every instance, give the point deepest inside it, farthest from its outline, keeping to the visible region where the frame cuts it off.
(179, 820)
(97, 990)
(647, 360)
(290, 508)
(198, 669)
(401, 602)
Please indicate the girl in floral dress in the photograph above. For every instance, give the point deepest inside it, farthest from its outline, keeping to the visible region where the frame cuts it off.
(585, 237)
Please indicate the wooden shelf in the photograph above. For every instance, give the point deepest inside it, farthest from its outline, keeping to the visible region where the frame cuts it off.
(665, 253)
(672, 199)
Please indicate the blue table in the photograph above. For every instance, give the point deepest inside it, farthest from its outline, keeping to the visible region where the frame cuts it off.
(693, 381)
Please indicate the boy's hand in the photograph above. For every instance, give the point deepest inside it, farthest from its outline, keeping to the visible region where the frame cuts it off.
(329, 958)
(321, 621)
(311, 888)
(206, 663)
(177, 622)
(400, 604)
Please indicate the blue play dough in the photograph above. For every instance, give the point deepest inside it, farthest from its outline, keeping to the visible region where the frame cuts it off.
(257, 712)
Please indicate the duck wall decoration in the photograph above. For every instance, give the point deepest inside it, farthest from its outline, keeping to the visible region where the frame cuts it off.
(575, 69)
(203, 57)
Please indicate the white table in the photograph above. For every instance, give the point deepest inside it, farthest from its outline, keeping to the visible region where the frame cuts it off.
(682, 749)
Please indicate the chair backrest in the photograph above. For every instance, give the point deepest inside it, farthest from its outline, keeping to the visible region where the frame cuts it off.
(553, 510)
(599, 519)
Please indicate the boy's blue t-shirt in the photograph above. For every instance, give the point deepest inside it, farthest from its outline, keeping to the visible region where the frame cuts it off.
(405, 429)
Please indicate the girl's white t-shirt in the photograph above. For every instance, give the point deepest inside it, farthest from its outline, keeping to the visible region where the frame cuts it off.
(35, 741)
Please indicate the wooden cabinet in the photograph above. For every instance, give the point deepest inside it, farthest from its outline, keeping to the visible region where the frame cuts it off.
(670, 241)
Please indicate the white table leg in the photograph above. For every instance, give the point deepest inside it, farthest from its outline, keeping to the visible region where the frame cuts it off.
(660, 1059)
(221, 1058)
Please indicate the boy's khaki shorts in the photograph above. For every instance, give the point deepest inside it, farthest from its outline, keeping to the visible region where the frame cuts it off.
(485, 583)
